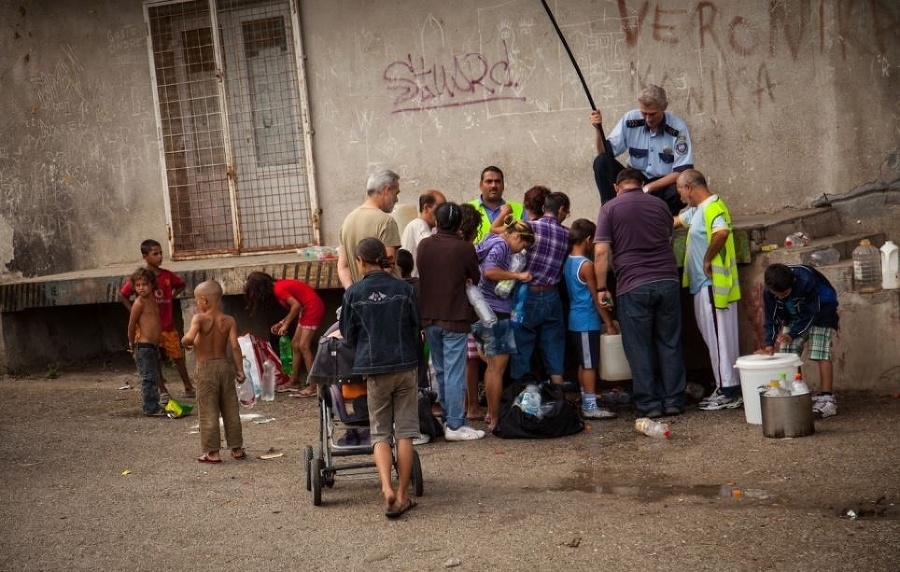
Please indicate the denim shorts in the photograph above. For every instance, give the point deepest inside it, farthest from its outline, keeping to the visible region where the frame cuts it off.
(497, 339)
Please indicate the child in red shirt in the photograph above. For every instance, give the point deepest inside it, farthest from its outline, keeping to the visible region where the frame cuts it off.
(168, 286)
(302, 302)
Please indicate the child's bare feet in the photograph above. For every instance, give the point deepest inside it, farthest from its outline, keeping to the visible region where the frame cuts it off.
(238, 454)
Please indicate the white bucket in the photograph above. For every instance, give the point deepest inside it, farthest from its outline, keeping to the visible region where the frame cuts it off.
(613, 363)
(758, 370)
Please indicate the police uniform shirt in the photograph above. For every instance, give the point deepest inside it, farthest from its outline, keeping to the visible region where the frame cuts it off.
(654, 154)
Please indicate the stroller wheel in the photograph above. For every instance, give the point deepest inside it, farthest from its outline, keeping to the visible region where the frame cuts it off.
(416, 477)
(307, 461)
(318, 469)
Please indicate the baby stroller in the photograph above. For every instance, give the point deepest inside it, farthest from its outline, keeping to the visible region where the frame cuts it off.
(343, 421)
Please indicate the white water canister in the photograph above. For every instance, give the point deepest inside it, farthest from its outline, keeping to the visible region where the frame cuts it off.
(757, 371)
(889, 262)
(866, 267)
(613, 363)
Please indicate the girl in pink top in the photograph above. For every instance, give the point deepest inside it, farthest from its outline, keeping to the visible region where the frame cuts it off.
(302, 302)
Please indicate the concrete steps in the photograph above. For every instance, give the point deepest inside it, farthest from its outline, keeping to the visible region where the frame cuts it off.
(840, 274)
(864, 351)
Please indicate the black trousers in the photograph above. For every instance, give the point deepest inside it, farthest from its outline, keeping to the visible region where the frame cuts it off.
(607, 168)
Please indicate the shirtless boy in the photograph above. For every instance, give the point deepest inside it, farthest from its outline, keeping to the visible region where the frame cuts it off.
(144, 329)
(210, 335)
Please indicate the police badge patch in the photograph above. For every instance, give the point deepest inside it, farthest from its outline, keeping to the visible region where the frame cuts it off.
(681, 146)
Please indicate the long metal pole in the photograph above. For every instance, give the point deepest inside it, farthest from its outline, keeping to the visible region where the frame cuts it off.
(565, 44)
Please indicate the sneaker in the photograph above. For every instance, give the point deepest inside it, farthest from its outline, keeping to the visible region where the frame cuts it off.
(421, 439)
(163, 398)
(718, 400)
(824, 406)
(464, 433)
(598, 413)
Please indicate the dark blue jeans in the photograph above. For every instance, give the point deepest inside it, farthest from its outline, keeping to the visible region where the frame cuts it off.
(545, 327)
(146, 356)
(650, 320)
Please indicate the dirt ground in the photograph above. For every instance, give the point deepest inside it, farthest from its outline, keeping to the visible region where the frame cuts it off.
(91, 484)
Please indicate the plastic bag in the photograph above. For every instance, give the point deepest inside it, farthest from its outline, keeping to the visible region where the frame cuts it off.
(517, 316)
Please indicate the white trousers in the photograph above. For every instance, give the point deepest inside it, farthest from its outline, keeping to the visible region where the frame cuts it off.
(719, 329)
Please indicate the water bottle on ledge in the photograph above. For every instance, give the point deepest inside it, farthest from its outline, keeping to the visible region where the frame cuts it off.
(824, 257)
(866, 267)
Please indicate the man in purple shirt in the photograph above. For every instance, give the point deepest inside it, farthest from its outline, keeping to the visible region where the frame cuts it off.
(636, 230)
(544, 316)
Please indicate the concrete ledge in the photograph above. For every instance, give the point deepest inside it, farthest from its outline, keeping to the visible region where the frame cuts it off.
(98, 286)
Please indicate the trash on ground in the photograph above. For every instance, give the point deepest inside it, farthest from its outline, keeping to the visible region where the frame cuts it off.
(263, 421)
(267, 456)
(126, 472)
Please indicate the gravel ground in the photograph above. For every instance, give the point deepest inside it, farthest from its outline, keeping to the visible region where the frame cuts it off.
(93, 485)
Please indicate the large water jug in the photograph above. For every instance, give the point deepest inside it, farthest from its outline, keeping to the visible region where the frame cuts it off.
(889, 270)
(866, 267)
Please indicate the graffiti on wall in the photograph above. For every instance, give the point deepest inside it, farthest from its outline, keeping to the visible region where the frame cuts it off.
(419, 83)
(733, 54)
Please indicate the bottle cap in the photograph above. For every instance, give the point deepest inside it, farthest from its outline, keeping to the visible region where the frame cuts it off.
(798, 375)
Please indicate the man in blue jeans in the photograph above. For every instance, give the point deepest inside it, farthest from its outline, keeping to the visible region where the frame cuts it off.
(544, 325)
(636, 231)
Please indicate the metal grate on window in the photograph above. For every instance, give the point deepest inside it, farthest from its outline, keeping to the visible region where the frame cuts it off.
(234, 144)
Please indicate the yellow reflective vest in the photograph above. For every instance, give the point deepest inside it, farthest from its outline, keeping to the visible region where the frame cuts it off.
(484, 230)
(726, 287)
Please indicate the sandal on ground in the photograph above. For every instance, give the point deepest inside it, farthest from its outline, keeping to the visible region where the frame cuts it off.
(397, 512)
(308, 391)
(286, 389)
(205, 458)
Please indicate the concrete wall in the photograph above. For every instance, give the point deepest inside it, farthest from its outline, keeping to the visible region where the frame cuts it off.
(785, 99)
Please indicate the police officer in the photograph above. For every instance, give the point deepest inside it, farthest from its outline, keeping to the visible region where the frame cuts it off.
(658, 145)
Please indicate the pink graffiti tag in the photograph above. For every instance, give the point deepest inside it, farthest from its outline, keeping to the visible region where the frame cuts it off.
(469, 79)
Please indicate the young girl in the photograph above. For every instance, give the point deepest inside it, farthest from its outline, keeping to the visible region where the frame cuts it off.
(497, 341)
(379, 318)
(301, 301)
(585, 313)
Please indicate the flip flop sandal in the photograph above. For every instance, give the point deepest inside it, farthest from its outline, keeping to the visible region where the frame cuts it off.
(400, 511)
(205, 459)
(305, 392)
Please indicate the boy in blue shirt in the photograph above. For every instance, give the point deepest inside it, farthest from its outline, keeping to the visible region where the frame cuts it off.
(801, 307)
(585, 313)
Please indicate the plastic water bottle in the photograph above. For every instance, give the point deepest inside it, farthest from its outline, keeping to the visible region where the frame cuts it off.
(267, 389)
(505, 287)
(799, 386)
(889, 270)
(529, 400)
(286, 353)
(824, 257)
(775, 390)
(245, 394)
(485, 315)
(785, 385)
(652, 428)
(866, 267)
